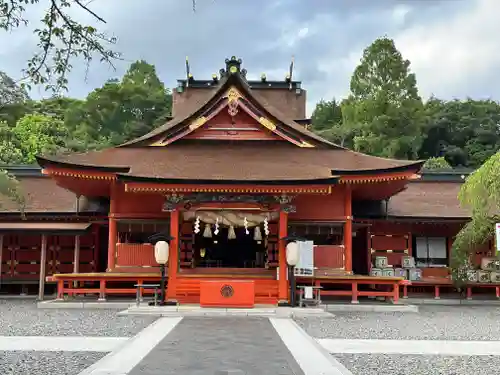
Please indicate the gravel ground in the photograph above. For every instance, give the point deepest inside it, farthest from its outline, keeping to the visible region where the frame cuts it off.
(46, 363)
(431, 323)
(23, 318)
(380, 364)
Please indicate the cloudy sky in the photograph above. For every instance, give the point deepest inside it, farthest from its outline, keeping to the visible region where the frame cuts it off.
(453, 45)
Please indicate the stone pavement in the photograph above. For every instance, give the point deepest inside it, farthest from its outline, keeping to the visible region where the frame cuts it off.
(208, 345)
(201, 346)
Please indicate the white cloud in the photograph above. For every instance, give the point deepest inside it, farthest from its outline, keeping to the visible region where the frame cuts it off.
(449, 54)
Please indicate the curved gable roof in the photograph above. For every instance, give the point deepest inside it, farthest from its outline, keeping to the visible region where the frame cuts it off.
(212, 97)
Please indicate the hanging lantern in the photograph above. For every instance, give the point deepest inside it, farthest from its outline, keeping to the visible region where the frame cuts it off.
(266, 227)
(257, 235)
(245, 224)
(207, 233)
(197, 225)
(231, 235)
(202, 253)
(292, 254)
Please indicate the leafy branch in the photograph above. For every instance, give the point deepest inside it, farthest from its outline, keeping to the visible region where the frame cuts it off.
(60, 40)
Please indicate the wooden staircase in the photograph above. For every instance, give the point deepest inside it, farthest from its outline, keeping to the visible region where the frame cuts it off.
(188, 290)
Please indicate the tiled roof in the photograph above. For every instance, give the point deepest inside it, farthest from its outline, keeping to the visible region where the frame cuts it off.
(42, 195)
(238, 161)
(428, 199)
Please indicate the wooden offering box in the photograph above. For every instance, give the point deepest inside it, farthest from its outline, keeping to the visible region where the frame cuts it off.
(227, 293)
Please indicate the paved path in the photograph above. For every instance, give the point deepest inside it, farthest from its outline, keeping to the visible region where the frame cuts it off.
(201, 346)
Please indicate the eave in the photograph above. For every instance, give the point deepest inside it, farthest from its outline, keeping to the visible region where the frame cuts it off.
(179, 181)
(379, 171)
(162, 185)
(47, 163)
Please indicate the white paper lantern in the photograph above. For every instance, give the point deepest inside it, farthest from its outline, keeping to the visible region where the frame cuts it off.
(161, 252)
(292, 253)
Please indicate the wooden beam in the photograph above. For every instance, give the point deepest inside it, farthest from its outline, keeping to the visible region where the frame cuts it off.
(43, 261)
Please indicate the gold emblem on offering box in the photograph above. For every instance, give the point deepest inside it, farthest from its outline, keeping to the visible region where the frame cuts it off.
(227, 291)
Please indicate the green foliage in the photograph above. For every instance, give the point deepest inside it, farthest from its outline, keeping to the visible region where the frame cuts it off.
(384, 109)
(481, 190)
(435, 163)
(123, 110)
(465, 132)
(117, 112)
(481, 195)
(39, 135)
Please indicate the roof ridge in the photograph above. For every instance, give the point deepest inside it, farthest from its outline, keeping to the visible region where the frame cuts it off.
(225, 83)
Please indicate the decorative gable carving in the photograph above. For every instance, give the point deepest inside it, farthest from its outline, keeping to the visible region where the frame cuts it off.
(232, 117)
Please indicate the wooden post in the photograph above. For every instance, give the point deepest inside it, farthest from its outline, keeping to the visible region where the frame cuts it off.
(43, 261)
(113, 231)
(173, 259)
(1, 257)
(113, 238)
(283, 282)
(348, 230)
(76, 261)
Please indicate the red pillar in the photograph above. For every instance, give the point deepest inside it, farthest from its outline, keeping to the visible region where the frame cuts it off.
(173, 259)
(283, 282)
(113, 237)
(348, 229)
(113, 230)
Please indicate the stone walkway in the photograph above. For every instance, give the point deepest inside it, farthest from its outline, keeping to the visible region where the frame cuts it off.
(201, 346)
(206, 345)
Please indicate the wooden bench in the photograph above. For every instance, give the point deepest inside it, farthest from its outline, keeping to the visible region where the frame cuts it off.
(438, 282)
(65, 283)
(355, 280)
(434, 282)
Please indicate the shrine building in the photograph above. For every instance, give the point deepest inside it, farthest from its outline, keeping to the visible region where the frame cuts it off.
(229, 180)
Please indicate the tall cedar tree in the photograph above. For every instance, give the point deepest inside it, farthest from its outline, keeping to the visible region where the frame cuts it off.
(384, 108)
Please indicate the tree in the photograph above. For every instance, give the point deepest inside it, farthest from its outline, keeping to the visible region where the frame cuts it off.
(481, 195)
(123, 110)
(465, 132)
(327, 122)
(384, 109)
(437, 163)
(37, 134)
(61, 39)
